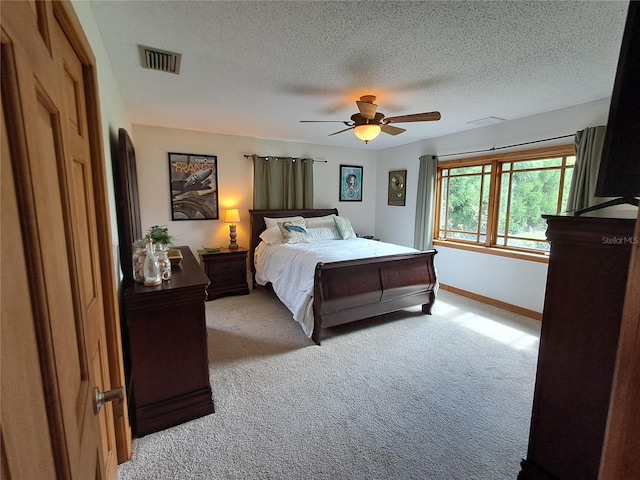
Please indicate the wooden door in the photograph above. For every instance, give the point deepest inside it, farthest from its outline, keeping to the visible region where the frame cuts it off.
(22, 390)
(50, 153)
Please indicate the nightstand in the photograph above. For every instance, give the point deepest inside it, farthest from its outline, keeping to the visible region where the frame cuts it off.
(227, 272)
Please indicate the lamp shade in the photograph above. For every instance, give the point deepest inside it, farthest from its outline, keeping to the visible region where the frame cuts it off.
(232, 215)
(367, 132)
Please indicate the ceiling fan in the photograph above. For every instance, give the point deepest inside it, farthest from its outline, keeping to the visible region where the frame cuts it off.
(368, 123)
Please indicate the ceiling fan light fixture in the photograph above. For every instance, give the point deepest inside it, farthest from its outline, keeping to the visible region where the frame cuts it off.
(367, 132)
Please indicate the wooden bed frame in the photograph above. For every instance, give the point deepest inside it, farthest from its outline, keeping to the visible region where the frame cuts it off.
(352, 290)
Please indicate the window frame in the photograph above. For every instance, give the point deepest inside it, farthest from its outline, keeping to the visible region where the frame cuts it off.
(496, 161)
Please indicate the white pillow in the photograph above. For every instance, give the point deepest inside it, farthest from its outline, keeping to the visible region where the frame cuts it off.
(326, 221)
(322, 228)
(293, 231)
(343, 225)
(323, 233)
(271, 236)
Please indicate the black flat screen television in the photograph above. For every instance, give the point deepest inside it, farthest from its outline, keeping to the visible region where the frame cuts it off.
(619, 173)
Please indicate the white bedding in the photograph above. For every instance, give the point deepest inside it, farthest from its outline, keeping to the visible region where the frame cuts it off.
(291, 267)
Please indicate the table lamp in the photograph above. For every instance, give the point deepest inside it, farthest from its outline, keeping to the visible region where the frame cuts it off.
(232, 216)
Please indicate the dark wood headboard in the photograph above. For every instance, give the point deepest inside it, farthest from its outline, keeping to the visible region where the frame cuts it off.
(258, 225)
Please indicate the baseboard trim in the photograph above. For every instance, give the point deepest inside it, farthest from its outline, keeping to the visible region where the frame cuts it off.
(493, 302)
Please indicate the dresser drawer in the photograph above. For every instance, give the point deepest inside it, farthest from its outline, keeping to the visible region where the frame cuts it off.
(225, 267)
(228, 279)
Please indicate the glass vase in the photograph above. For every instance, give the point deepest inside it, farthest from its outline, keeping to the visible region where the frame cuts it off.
(151, 266)
(138, 255)
(164, 262)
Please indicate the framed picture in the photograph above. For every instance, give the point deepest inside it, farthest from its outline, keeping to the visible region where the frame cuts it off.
(194, 186)
(350, 183)
(396, 188)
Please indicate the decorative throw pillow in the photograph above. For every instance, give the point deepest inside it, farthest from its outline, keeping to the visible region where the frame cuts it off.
(293, 231)
(343, 225)
(273, 222)
(275, 236)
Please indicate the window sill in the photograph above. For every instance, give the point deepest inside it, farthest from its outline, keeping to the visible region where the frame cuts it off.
(501, 252)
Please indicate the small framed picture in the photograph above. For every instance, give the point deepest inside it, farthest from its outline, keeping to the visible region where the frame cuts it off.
(396, 188)
(350, 183)
(194, 186)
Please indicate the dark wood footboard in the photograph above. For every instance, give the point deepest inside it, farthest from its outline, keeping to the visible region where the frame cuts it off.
(356, 289)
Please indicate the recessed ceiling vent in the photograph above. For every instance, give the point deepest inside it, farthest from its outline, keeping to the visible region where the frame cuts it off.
(483, 122)
(161, 60)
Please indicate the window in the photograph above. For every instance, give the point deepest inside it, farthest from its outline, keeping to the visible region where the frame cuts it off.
(497, 201)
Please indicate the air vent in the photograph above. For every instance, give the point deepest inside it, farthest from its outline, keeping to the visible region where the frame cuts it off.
(160, 60)
(483, 122)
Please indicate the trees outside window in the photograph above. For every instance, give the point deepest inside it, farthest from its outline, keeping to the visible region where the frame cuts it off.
(498, 201)
(465, 202)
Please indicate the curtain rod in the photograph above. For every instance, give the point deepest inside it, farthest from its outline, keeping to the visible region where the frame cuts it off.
(492, 149)
(506, 146)
(267, 156)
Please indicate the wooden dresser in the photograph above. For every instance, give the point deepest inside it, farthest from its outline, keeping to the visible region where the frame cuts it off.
(586, 282)
(166, 339)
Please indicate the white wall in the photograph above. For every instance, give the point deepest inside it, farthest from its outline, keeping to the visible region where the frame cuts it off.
(235, 180)
(517, 282)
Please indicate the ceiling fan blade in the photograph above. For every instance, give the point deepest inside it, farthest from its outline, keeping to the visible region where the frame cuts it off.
(367, 109)
(341, 131)
(324, 121)
(416, 117)
(391, 130)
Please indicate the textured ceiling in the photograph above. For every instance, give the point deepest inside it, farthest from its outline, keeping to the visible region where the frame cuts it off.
(258, 68)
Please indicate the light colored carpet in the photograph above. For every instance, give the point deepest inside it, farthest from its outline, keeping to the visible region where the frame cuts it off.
(401, 396)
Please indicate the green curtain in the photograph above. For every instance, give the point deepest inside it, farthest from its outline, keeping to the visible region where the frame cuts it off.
(425, 203)
(282, 183)
(589, 143)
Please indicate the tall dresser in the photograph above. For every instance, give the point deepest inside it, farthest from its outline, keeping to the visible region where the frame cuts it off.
(166, 339)
(586, 283)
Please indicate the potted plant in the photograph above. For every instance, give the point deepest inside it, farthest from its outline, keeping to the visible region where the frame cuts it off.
(160, 236)
(162, 240)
